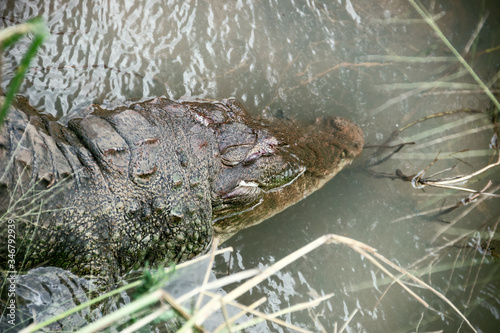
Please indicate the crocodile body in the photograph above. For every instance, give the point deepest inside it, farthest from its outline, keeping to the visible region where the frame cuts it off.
(154, 181)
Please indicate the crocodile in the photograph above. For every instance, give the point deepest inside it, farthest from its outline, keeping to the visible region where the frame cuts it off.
(154, 181)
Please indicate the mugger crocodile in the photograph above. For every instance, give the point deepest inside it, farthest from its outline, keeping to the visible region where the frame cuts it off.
(153, 181)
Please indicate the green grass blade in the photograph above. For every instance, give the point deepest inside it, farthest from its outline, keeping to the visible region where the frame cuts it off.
(37, 27)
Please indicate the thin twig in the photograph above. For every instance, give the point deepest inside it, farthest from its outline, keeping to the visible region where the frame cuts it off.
(466, 211)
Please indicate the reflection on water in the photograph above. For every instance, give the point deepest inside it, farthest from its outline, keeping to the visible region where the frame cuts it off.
(353, 58)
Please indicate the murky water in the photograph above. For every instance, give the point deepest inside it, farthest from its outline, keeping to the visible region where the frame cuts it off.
(306, 59)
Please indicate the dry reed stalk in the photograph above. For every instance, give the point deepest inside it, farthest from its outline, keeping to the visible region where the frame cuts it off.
(235, 277)
(245, 309)
(365, 250)
(215, 243)
(348, 320)
(209, 308)
(145, 320)
(200, 258)
(261, 316)
(494, 230)
(175, 304)
(293, 308)
(466, 211)
(426, 286)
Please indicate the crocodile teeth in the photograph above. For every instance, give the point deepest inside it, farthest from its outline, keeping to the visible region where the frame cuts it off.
(244, 183)
(245, 192)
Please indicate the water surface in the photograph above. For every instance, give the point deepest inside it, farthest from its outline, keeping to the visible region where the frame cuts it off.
(354, 58)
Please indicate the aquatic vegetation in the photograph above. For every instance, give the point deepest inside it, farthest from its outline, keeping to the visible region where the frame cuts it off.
(8, 37)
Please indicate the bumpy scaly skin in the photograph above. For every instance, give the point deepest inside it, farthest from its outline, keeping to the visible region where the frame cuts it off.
(121, 187)
(144, 183)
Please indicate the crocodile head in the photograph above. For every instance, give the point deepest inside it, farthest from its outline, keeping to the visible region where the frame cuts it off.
(269, 165)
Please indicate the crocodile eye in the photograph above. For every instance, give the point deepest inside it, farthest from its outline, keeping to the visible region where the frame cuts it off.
(266, 146)
(234, 155)
(252, 158)
(235, 142)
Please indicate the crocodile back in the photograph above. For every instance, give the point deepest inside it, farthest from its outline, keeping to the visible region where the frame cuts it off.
(112, 190)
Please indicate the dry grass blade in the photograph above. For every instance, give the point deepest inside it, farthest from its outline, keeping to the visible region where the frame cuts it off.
(348, 320)
(363, 250)
(201, 258)
(392, 58)
(261, 316)
(211, 306)
(215, 243)
(475, 34)
(302, 306)
(386, 290)
(226, 317)
(439, 130)
(247, 309)
(419, 180)
(174, 303)
(396, 20)
(368, 252)
(235, 277)
(293, 308)
(146, 320)
(457, 92)
(338, 66)
(424, 213)
(425, 285)
(386, 271)
(426, 85)
(436, 115)
(452, 136)
(466, 211)
(494, 230)
(411, 93)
